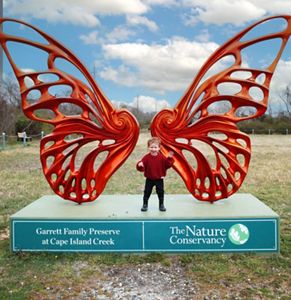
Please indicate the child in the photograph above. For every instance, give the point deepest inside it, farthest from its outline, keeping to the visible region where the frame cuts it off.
(154, 166)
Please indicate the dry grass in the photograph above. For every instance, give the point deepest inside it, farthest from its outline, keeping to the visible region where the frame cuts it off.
(240, 276)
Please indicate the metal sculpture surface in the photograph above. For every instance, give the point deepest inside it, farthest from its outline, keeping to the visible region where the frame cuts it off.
(180, 128)
(115, 132)
(191, 120)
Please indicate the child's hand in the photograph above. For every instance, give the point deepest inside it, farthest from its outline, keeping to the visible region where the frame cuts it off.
(171, 154)
(140, 164)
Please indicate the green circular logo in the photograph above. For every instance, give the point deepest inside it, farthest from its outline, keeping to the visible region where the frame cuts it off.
(238, 234)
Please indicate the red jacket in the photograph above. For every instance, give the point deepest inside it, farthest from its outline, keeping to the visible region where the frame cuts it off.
(155, 167)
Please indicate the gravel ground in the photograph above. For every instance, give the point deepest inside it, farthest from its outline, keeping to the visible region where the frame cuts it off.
(141, 282)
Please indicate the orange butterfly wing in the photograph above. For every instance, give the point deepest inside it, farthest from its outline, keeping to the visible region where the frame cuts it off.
(192, 127)
(106, 134)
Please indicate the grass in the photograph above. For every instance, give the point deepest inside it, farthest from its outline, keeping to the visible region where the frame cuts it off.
(241, 276)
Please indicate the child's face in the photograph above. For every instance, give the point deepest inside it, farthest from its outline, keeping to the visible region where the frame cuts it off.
(154, 148)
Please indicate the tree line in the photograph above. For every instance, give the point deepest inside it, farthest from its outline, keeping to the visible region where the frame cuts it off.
(12, 119)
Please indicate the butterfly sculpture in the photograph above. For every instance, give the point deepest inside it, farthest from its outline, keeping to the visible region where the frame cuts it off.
(115, 132)
(191, 121)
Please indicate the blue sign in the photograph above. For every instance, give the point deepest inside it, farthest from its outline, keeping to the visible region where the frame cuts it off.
(212, 235)
(93, 236)
(220, 235)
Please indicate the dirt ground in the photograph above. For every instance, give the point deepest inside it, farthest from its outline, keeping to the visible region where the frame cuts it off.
(157, 281)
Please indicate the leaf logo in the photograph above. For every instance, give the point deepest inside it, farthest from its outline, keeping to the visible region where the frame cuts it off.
(238, 234)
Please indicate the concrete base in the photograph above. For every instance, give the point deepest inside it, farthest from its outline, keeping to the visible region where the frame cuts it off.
(114, 223)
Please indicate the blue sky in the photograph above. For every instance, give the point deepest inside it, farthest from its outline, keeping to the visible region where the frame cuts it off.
(146, 49)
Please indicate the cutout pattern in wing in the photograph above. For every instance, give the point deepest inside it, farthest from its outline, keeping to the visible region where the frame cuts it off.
(241, 92)
(90, 139)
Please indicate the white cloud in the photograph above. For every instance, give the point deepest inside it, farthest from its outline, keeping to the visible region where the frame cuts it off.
(281, 78)
(121, 75)
(161, 2)
(274, 8)
(73, 11)
(145, 104)
(119, 33)
(220, 12)
(140, 20)
(203, 36)
(237, 12)
(85, 12)
(91, 38)
(149, 104)
(168, 67)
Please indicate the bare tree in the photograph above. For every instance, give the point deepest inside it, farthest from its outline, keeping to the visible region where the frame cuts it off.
(286, 99)
(10, 105)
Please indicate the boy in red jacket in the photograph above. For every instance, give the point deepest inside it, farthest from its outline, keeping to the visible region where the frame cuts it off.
(154, 165)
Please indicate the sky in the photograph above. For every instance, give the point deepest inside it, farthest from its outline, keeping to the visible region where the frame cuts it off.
(147, 51)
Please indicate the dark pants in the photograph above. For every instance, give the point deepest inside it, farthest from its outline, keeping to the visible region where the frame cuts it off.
(149, 184)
